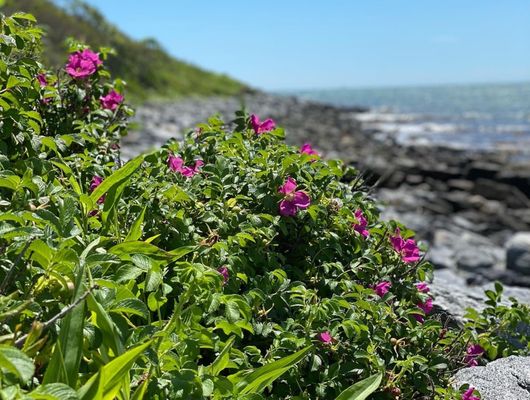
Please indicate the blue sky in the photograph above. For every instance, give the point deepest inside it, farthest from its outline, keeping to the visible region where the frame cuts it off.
(295, 44)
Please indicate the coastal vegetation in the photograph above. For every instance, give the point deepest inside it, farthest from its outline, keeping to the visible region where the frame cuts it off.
(150, 72)
(226, 266)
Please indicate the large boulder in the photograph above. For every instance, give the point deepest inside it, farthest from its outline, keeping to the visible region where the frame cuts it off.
(518, 253)
(503, 379)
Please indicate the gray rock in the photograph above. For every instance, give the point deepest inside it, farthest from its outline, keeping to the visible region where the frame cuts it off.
(503, 379)
(475, 258)
(441, 257)
(452, 295)
(518, 253)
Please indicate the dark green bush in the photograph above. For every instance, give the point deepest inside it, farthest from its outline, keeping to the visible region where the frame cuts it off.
(166, 279)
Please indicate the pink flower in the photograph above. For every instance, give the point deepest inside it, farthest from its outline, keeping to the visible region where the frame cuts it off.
(472, 353)
(176, 164)
(265, 126)
(307, 149)
(94, 183)
(426, 307)
(293, 199)
(406, 248)
(111, 100)
(325, 337)
(224, 272)
(189, 172)
(382, 288)
(468, 394)
(82, 64)
(361, 224)
(42, 80)
(422, 287)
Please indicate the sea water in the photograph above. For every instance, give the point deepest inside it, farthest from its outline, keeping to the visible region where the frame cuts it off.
(479, 116)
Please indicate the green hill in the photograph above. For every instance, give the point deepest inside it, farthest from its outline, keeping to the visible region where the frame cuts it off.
(148, 69)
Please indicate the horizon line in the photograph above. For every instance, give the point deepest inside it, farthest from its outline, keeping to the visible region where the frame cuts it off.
(401, 86)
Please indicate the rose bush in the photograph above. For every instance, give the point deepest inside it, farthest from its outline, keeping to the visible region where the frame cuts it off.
(229, 265)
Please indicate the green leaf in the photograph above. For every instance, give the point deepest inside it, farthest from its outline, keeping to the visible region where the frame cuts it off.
(136, 229)
(21, 15)
(10, 182)
(117, 178)
(262, 377)
(54, 391)
(222, 360)
(131, 306)
(362, 389)
(106, 383)
(126, 249)
(111, 334)
(64, 364)
(16, 362)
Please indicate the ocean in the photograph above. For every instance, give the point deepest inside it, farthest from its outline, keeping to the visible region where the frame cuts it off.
(476, 117)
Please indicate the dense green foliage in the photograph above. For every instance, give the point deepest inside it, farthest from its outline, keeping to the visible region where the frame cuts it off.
(151, 284)
(148, 70)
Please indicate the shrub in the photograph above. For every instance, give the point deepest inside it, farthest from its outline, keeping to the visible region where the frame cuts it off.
(229, 265)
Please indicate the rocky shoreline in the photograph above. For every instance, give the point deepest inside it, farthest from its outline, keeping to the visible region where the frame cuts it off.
(466, 206)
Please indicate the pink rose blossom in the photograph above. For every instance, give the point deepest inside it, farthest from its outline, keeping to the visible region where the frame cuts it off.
(406, 248)
(94, 183)
(468, 394)
(382, 288)
(176, 164)
(472, 353)
(361, 224)
(189, 172)
(325, 337)
(261, 127)
(111, 101)
(426, 307)
(307, 149)
(82, 64)
(42, 80)
(224, 272)
(422, 287)
(293, 200)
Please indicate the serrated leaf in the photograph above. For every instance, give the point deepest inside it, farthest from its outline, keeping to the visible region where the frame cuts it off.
(16, 362)
(131, 306)
(54, 391)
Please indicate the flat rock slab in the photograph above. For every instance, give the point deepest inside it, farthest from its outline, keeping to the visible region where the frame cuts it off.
(452, 295)
(503, 379)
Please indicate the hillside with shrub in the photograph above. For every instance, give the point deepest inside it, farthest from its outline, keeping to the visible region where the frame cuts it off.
(146, 67)
(226, 266)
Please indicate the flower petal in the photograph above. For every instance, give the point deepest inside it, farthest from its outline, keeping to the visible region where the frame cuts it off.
(267, 125)
(287, 208)
(288, 187)
(254, 121)
(301, 199)
(175, 163)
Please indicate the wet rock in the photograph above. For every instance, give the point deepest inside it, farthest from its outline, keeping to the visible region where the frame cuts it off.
(503, 379)
(518, 253)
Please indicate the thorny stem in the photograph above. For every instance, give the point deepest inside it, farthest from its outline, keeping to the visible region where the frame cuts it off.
(20, 341)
